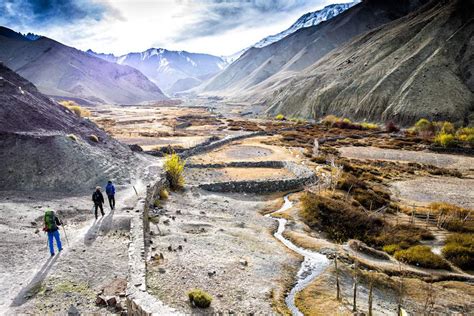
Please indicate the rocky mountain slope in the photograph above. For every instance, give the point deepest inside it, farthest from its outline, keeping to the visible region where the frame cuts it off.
(419, 66)
(307, 20)
(59, 70)
(45, 147)
(303, 48)
(165, 67)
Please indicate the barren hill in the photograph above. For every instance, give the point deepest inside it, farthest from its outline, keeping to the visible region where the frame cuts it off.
(45, 147)
(59, 70)
(421, 65)
(304, 47)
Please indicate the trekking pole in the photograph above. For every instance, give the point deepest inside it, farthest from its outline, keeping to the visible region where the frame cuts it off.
(65, 235)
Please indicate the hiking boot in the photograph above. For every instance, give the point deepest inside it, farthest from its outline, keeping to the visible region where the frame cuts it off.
(52, 255)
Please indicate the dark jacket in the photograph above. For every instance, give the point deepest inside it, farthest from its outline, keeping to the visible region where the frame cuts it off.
(97, 197)
(110, 189)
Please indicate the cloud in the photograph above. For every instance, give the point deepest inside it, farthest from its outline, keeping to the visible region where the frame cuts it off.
(220, 27)
(48, 13)
(218, 16)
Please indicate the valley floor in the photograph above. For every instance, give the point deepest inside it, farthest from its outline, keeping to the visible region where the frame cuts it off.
(222, 242)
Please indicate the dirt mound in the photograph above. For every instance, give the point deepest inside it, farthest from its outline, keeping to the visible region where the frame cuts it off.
(45, 147)
(418, 66)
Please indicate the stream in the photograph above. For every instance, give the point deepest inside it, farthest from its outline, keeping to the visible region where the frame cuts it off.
(312, 266)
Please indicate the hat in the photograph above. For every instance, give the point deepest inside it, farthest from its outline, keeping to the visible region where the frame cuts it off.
(97, 188)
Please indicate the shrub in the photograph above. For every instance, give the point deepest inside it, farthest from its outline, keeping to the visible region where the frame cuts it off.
(94, 138)
(459, 249)
(466, 135)
(72, 136)
(391, 249)
(391, 127)
(163, 194)
(444, 127)
(280, 117)
(340, 220)
(174, 167)
(200, 298)
(423, 126)
(329, 120)
(75, 108)
(421, 256)
(369, 126)
(445, 140)
(402, 235)
(157, 203)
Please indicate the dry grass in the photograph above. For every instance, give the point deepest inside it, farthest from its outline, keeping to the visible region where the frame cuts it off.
(319, 299)
(75, 108)
(459, 249)
(421, 256)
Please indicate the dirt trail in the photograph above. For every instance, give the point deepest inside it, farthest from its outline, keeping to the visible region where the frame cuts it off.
(95, 258)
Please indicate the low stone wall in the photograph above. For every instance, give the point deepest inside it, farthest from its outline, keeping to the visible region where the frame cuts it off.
(208, 147)
(303, 177)
(240, 164)
(139, 301)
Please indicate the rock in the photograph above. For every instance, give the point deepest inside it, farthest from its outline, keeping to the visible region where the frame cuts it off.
(118, 307)
(111, 301)
(185, 240)
(161, 270)
(211, 273)
(100, 301)
(170, 248)
(161, 256)
(178, 212)
(243, 262)
(180, 247)
(220, 295)
(166, 222)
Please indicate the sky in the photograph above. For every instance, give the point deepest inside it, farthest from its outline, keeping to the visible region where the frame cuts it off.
(218, 27)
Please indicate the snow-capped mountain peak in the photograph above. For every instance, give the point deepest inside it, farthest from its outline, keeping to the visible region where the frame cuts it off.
(307, 20)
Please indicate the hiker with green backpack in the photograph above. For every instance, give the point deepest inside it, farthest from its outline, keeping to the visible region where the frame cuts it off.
(51, 223)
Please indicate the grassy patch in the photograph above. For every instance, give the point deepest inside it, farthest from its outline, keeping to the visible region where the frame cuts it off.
(200, 298)
(459, 249)
(174, 167)
(421, 256)
(75, 108)
(164, 194)
(280, 117)
(339, 219)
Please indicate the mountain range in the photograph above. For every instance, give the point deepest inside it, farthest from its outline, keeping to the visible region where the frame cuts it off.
(170, 70)
(378, 60)
(307, 20)
(418, 66)
(65, 72)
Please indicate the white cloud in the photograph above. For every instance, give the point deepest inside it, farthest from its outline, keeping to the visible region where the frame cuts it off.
(219, 27)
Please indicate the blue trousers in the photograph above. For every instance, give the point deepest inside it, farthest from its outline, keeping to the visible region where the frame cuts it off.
(54, 234)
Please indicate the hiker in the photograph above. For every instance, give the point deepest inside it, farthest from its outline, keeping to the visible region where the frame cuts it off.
(98, 200)
(51, 223)
(110, 190)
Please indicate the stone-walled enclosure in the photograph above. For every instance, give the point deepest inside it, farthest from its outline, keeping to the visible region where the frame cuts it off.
(302, 176)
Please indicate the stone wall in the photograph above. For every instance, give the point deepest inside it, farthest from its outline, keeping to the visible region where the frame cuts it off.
(303, 176)
(199, 149)
(139, 301)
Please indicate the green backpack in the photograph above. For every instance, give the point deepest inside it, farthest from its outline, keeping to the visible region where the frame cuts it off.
(49, 221)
